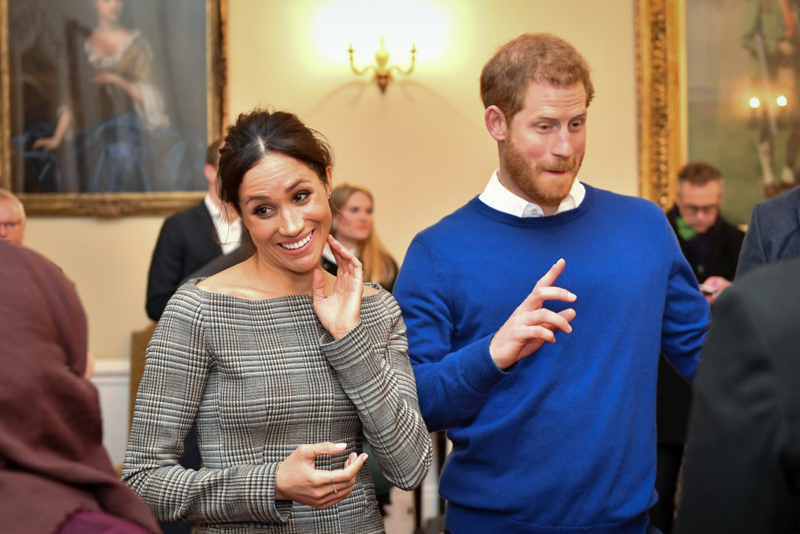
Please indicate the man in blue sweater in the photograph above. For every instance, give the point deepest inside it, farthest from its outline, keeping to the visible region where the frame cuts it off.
(551, 433)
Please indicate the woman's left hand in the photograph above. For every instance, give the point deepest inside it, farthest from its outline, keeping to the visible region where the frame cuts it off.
(340, 311)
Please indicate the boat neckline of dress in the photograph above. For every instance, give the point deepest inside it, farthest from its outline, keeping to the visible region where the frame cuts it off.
(291, 296)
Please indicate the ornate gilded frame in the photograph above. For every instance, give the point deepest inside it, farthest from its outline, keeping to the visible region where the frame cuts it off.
(120, 204)
(661, 95)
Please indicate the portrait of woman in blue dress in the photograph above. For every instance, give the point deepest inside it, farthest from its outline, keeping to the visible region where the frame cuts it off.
(112, 113)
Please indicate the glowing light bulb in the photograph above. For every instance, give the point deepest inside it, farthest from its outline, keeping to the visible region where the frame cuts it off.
(754, 102)
(782, 101)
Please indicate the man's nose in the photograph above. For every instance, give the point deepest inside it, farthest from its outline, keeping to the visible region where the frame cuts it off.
(562, 146)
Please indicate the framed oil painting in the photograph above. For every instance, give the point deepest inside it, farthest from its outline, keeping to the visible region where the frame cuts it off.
(108, 105)
(719, 81)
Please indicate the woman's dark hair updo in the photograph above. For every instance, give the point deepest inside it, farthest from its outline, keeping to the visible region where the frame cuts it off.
(260, 133)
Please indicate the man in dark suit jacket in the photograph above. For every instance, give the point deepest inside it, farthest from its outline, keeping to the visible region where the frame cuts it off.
(711, 246)
(742, 471)
(774, 232)
(189, 240)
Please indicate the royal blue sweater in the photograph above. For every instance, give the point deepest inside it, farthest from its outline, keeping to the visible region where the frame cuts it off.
(564, 441)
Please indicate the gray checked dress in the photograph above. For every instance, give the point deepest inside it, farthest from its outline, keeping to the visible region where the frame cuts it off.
(261, 378)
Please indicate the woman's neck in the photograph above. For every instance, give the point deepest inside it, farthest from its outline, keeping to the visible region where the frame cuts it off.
(107, 26)
(280, 281)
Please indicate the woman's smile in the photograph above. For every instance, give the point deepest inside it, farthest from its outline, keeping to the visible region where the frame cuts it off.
(298, 245)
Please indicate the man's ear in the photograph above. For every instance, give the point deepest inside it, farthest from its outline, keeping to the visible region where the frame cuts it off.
(210, 172)
(496, 123)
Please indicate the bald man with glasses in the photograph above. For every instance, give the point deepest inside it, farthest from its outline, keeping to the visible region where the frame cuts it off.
(711, 245)
(12, 217)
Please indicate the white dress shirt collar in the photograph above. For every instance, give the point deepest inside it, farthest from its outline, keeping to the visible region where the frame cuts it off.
(327, 253)
(496, 196)
(229, 234)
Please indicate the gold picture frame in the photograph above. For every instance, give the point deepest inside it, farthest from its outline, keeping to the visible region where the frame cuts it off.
(116, 204)
(661, 95)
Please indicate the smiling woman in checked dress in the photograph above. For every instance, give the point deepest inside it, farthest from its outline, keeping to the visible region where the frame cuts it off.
(281, 365)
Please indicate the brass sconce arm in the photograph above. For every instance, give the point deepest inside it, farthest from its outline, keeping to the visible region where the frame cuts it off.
(353, 64)
(383, 73)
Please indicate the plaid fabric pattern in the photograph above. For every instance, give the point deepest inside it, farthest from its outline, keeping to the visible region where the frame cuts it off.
(261, 378)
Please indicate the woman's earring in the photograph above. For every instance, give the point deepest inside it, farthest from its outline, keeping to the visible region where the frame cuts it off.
(329, 195)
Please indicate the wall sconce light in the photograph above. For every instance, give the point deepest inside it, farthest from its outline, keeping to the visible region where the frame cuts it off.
(382, 73)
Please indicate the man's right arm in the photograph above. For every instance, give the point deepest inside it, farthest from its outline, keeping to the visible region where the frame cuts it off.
(166, 269)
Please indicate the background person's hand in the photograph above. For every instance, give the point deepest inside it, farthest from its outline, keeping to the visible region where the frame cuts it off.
(340, 311)
(531, 325)
(300, 481)
(718, 285)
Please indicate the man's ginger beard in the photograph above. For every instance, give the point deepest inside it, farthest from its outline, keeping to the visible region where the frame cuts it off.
(545, 191)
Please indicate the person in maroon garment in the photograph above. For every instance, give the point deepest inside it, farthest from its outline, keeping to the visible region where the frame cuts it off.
(55, 475)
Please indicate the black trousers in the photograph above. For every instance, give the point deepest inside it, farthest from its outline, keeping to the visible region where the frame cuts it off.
(668, 465)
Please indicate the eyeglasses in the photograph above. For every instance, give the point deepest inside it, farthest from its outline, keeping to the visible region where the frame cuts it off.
(705, 210)
(10, 225)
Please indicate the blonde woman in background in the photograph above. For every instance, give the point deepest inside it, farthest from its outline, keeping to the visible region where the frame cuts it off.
(353, 226)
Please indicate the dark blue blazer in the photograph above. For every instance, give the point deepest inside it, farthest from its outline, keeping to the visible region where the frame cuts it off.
(774, 232)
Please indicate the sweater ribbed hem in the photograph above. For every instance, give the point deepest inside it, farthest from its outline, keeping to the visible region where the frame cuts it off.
(465, 520)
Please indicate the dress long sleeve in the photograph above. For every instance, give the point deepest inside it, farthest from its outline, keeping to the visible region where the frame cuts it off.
(170, 395)
(381, 386)
(152, 110)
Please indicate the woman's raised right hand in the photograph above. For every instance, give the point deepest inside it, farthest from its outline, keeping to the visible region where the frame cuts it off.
(340, 311)
(300, 481)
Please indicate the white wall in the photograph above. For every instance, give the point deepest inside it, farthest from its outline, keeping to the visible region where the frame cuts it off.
(421, 147)
(108, 262)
